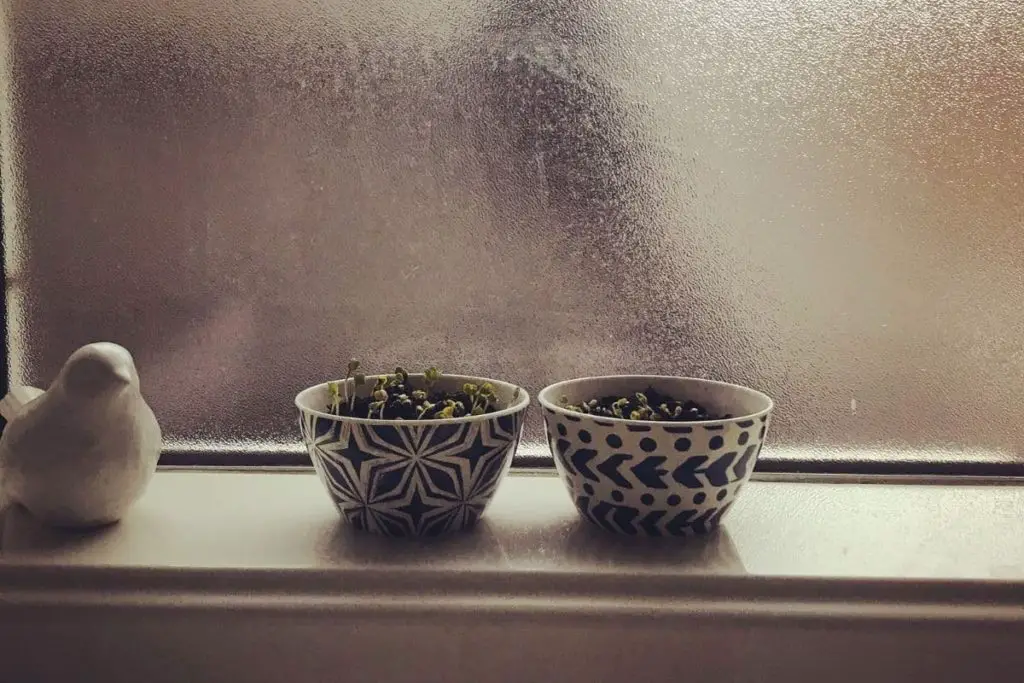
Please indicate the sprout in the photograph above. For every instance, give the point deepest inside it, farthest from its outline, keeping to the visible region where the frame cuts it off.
(618, 407)
(424, 409)
(482, 396)
(379, 407)
(353, 365)
(393, 396)
(564, 402)
(359, 380)
(334, 391)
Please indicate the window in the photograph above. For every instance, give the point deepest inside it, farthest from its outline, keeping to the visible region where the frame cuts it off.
(821, 200)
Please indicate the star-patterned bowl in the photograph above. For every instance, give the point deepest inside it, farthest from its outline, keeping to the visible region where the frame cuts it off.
(655, 478)
(412, 477)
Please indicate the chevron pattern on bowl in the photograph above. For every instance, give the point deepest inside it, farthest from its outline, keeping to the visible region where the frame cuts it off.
(655, 478)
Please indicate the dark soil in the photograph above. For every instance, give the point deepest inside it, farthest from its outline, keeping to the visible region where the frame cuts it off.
(648, 404)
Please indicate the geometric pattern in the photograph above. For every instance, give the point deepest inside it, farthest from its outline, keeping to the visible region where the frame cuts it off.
(404, 479)
(628, 520)
(656, 479)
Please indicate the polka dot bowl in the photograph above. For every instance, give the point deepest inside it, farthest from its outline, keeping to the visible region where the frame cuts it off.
(655, 478)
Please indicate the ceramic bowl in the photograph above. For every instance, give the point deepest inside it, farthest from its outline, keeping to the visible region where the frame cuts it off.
(655, 478)
(412, 477)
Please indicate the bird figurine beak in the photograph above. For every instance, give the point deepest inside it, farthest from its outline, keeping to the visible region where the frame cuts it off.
(123, 374)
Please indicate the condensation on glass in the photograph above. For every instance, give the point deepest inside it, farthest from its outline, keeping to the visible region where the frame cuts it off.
(819, 199)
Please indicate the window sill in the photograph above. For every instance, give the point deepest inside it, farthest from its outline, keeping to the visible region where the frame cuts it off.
(250, 576)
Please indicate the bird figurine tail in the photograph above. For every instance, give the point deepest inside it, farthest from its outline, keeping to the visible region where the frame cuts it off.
(11, 406)
(15, 401)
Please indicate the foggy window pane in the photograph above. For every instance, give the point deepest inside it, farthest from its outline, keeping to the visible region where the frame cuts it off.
(819, 199)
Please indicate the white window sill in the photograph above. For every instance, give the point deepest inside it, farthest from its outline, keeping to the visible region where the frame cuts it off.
(250, 576)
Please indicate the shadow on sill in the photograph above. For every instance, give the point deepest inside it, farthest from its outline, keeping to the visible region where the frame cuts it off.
(768, 464)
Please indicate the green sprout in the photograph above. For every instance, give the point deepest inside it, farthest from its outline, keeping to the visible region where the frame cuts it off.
(564, 402)
(334, 391)
(395, 379)
(400, 397)
(481, 397)
(618, 406)
(357, 380)
(379, 407)
(485, 396)
(425, 408)
(643, 411)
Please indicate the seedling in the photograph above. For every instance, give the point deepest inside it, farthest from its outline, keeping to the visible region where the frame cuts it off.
(397, 396)
(339, 390)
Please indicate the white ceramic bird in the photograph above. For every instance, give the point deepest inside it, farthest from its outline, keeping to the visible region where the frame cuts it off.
(82, 452)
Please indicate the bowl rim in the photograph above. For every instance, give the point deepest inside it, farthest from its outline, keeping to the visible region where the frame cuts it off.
(545, 402)
(521, 404)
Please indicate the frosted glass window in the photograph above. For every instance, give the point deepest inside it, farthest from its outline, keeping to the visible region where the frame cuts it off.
(821, 199)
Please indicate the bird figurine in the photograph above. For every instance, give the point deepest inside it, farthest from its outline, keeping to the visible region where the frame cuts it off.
(79, 454)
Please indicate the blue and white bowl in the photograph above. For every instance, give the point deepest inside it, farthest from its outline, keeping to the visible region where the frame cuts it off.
(412, 477)
(655, 478)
